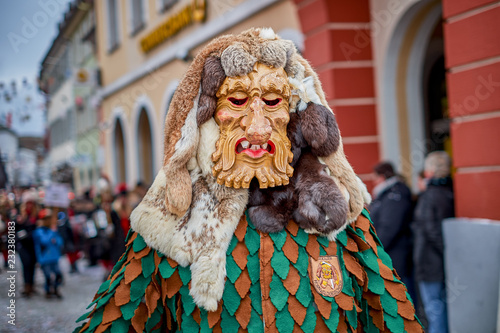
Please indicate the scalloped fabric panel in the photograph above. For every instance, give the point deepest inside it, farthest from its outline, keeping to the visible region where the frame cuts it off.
(268, 287)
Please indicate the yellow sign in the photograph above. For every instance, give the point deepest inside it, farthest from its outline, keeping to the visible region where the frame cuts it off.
(194, 12)
(82, 75)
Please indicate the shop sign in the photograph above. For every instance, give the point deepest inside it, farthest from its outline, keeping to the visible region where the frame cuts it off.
(193, 12)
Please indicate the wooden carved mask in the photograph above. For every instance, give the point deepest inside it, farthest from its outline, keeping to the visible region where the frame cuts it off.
(252, 114)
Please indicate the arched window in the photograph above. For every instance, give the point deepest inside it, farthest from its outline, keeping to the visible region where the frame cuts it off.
(119, 149)
(145, 148)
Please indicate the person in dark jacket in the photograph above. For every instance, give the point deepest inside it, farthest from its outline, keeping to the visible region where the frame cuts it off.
(434, 204)
(68, 237)
(112, 232)
(25, 225)
(391, 213)
(48, 247)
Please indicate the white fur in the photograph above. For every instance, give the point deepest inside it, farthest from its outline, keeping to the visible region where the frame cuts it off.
(366, 195)
(209, 135)
(302, 106)
(154, 226)
(305, 90)
(310, 90)
(189, 135)
(267, 33)
(192, 164)
(201, 242)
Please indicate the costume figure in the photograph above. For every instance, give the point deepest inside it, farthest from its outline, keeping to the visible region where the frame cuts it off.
(254, 195)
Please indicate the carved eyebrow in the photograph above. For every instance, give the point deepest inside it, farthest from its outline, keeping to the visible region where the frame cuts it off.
(234, 84)
(269, 85)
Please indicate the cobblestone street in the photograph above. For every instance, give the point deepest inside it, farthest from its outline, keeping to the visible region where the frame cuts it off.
(38, 314)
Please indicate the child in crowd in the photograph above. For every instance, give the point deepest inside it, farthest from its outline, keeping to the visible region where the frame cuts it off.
(48, 246)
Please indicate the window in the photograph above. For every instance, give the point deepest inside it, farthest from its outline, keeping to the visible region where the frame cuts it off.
(113, 36)
(164, 5)
(137, 17)
(57, 69)
(82, 47)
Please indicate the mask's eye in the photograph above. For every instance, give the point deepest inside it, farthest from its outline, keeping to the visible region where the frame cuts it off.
(238, 102)
(272, 102)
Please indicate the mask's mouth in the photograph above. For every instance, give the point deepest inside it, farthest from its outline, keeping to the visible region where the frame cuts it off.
(254, 151)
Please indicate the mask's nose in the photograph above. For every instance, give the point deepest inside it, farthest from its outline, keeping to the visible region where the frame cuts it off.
(257, 127)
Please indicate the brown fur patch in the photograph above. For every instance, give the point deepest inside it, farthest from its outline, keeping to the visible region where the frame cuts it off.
(318, 197)
(311, 194)
(212, 78)
(320, 129)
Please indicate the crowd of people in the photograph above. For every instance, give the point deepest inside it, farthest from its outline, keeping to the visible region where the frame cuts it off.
(410, 228)
(93, 227)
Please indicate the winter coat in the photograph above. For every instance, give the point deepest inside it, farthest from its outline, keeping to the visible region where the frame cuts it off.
(117, 240)
(434, 205)
(66, 232)
(48, 245)
(24, 237)
(391, 213)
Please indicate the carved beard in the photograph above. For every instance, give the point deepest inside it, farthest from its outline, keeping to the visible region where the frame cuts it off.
(237, 170)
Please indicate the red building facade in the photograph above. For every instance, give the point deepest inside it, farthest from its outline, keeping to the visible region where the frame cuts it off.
(407, 78)
(472, 47)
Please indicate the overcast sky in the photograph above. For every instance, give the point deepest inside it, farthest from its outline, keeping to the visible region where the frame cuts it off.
(27, 28)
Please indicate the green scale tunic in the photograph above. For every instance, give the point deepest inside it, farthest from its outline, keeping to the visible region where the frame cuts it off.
(268, 287)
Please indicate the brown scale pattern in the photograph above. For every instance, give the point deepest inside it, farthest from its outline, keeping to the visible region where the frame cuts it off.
(157, 293)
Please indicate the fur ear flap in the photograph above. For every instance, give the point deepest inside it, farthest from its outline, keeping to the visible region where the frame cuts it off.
(211, 79)
(337, 162)
(181, 131)
(321, 204)
(342, 170)
(178, 193)
(320, 129)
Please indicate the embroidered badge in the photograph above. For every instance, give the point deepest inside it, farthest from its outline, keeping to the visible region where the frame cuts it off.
(326, 276)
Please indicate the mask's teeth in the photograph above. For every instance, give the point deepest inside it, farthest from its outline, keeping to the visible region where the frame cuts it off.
(245, 144)
(264, 146)
(255, 147)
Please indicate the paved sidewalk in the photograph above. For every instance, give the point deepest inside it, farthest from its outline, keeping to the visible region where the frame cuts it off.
(38, 314)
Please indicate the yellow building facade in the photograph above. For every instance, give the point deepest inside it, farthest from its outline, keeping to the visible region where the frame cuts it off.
(144, 48)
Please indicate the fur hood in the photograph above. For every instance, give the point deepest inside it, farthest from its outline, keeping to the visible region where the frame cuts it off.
(188, 216)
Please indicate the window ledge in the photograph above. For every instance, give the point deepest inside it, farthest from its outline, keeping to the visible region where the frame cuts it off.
(136, 30)
(113, 47)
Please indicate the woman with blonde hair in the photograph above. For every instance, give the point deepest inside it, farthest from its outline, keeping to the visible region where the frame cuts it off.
(433, 206)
